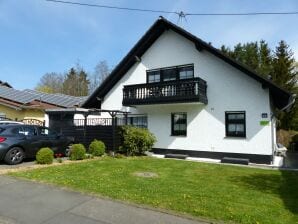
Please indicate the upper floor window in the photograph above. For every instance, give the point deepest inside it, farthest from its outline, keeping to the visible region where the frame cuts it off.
(170, 73)
(153, 76)
(235, 124)
(186, 72)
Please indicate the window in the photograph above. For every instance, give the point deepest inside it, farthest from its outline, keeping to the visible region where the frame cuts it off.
(179, 124)
(235, 124)
(47, 132)
(140, 122)
(153, 76)
(28, 131)
(170, 73)
(2, 116)
(186, 72)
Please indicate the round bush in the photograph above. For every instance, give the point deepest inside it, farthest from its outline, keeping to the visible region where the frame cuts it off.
(97, 148)
(136, 141)
(77, 152)
(45, 156)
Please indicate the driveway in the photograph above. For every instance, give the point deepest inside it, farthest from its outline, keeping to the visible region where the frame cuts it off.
(29, 202)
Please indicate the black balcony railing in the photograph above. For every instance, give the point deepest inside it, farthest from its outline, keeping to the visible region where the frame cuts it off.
(178, 91)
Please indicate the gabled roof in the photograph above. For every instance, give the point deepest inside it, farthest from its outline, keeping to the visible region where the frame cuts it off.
(29, 98)
(280, 96)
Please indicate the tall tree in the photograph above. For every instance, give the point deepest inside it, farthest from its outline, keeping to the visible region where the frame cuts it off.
(280, 65)
(283, 69)
(101, 72)
(284, 74)
(76, 83)
(256, 56)
(51, 83)
(265, 59)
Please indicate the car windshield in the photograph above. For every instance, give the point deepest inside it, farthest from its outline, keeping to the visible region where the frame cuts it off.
(1, 130)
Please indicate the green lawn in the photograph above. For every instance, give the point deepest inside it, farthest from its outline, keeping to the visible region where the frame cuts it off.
(228, 193)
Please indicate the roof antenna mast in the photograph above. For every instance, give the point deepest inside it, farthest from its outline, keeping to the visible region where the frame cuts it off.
(181, 18)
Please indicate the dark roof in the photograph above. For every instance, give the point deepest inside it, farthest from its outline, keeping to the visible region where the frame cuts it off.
(280, 96)
(5, 84)
(27, 96)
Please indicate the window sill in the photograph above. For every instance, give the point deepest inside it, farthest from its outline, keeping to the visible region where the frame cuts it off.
(178, 135)
(235, 137)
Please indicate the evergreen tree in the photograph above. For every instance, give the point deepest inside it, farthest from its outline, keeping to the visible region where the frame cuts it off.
(70, 83)
(283, 69)
(280, 65)
(76, 83)
(284, 74)
(83, 83)
(265, 59)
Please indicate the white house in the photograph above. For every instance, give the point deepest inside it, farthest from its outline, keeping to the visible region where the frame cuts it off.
(195, 100)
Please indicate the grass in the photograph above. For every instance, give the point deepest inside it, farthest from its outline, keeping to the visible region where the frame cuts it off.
(228, 193)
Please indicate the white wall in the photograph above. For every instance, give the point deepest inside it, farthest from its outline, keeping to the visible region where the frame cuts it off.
(228, 90)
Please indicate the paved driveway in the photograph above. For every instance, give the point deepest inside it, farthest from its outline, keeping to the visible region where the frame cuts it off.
(28, 202)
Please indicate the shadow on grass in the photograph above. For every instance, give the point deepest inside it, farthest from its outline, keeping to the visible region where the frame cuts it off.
(282, 183)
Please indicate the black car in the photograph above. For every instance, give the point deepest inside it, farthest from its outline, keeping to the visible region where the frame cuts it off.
(19, 141)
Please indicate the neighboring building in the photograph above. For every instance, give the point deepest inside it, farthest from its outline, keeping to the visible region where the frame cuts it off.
(5, 84)
(31, 104)
(196, 100)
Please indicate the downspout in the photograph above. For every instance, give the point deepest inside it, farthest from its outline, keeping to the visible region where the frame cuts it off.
(292, 100)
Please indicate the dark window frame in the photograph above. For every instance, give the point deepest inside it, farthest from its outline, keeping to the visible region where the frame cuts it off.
(182, 133)
(235, 121)
(152, 71)
(138, 121)
(175, 68)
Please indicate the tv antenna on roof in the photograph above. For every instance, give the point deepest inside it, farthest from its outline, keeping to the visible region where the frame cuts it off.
(181, 18)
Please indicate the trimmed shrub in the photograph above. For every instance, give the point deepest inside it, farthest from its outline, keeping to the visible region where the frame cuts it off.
(45, 156)
(77, 152)
(136, 141)
(97, 148)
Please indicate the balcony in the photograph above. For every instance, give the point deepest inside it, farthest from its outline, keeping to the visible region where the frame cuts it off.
(177, 91)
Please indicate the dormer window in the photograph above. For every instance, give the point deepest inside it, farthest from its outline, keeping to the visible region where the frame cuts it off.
(170, 73)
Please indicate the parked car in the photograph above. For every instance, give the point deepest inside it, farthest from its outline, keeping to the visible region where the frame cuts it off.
(19, 141)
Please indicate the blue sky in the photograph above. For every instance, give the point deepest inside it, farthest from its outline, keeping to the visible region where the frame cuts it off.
(37, 36)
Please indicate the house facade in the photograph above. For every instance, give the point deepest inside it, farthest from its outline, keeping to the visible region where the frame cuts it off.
(194, 99)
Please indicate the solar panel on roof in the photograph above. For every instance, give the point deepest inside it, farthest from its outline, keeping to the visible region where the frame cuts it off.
(15, 95)
(27, 95)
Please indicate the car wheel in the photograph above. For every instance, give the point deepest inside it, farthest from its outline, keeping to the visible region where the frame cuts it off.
(14, 156)
(67, 150)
